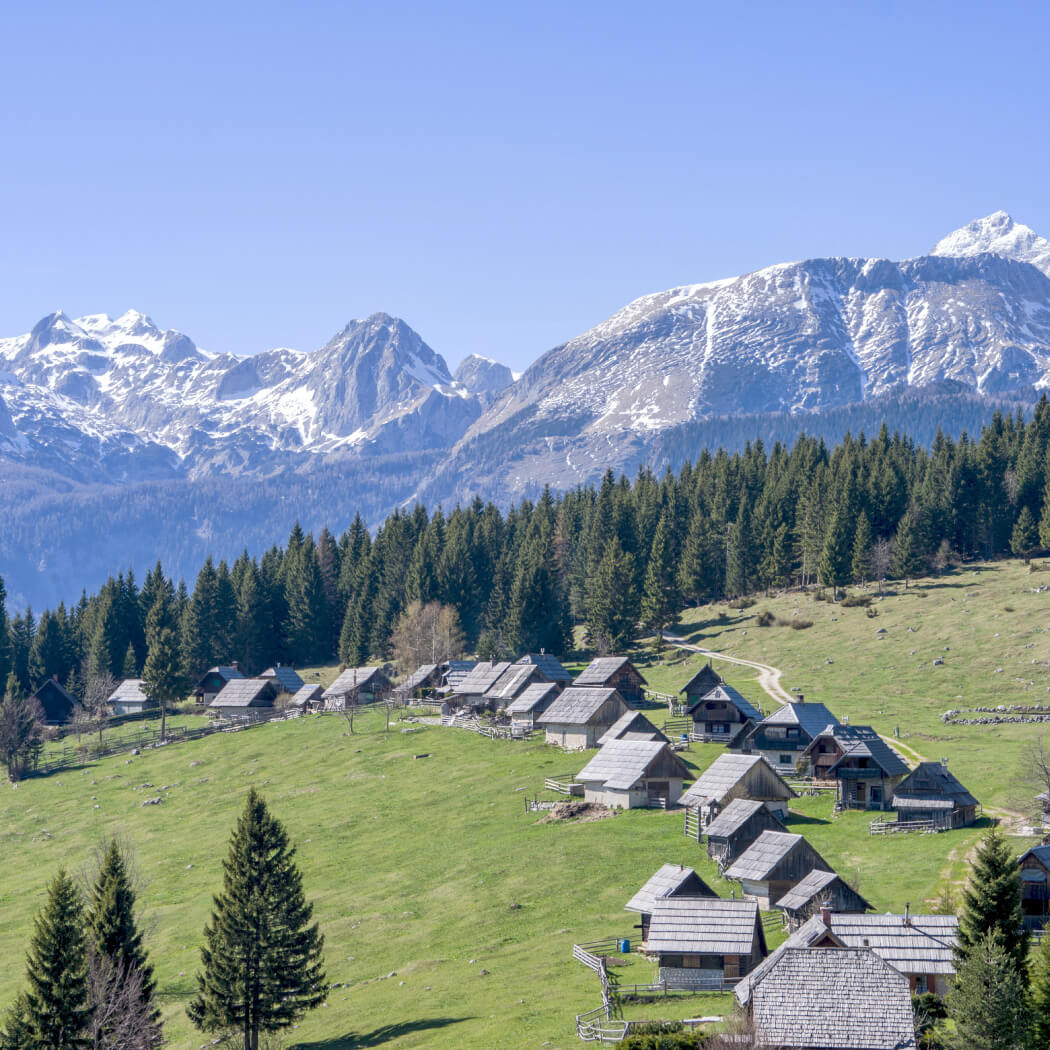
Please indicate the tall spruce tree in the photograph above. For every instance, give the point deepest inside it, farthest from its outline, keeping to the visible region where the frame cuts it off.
(164, 679)
(992, 901)
(1039, 981)
(5, 636)
(989, 1001)
(908, 557)
(262, 959)
(57, 1010)
(612, 603)
(1025, 537)
(835, 568)
(863, 544)
(661, 600)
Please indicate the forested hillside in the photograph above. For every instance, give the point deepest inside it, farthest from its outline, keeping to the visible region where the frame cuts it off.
(621, 558)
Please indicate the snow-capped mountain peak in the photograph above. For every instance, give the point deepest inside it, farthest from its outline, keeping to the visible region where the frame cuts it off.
(997, 234)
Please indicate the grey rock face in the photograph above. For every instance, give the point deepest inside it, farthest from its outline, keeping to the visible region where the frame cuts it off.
(483, 376)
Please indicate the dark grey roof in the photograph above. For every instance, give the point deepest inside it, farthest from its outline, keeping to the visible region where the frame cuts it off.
(513, 681)
(306, 695)
(702, 925)
(129, 692)
(667, 882)
(733, 817)
(920, 944)
(551, 666)
(727, 694)
(246, 692)
(811, 888)
(706, 679)
(620, 764)
(1041, 854)
(631, 725)
(481, 679)
(812, 718)
(763, 855)
(226, 673)
(602, 668)
(352, 679)
(832, 999)
(577, 706)
(927, 783)
(417, 678)
(864, 742)
(456, 671)
(724, 774)
(287, 678)
(536, 697)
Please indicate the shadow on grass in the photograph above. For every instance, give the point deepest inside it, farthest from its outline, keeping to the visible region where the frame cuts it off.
(800, 818)
(383, 1034)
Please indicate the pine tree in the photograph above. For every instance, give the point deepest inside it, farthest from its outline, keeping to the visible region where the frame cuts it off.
(863, 543)
(16, 1033)
(112, 930)
(163, 679)
(252, 643)
(989, 1001)
(21, 735)
(262, 958)
(129, 668)
(992, 901)
(611, 601)
(5, 636)
(1039, 981)
(1025, 537)
(57, 1009)
(835, 558)
(908, 559)
(660, 597)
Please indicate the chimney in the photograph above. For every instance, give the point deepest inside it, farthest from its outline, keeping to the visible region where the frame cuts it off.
(233, 664)
(825, 915)
(907, 913)
(55, 677)
(801, 698)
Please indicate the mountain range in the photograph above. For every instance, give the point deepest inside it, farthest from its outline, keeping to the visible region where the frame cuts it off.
(102, 413)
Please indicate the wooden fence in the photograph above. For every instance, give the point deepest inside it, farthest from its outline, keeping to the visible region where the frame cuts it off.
(563, 784)
(890, 827)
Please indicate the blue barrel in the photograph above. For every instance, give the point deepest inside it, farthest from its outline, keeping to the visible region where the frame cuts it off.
(625, 947)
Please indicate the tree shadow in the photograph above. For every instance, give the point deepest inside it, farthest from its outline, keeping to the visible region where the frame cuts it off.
(800, 818)
(383, 1034)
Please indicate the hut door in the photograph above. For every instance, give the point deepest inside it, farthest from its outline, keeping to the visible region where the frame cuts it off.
(657, 789)
(732, 967)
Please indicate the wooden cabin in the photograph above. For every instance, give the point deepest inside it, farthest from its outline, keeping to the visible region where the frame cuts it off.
(718, 711)
(286, 679)
(783, 737)
(614, 672)
(357, 685)
(531, 702)
(831, 999)
(672, 880)
(552, 668)
(931, 792)
(246, 698)
(737, 776)
(866, 770)
(214, 681)
(129, 699)
(819, 890)
(634, 774)
(512, 683)
(308, 698)
(469, 694)
(632, 726)
(579, 717)
(774, 863)
(735, 828)
(56, 704)
(1034, 867)
(704, 941)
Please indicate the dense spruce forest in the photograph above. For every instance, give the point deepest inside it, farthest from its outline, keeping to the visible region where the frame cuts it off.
(620, 558)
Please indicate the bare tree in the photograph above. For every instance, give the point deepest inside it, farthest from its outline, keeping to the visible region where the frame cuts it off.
(426, 634)
(120, 1019)
(349, 709)
(881, 556)
(99, 689)
(1034, 772)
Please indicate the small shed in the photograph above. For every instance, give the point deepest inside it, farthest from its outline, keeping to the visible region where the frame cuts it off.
(532, 702)
(832, 999)
(704, 941)
(632, 725)
(865, 769)
(551, 666)
(424, 679)
(472, 687)
(128, 698)
(512, 683)
(819, 889)
(782, 737)
(718, 711)
(737, 776)
(55, 702)
(774, 863)
(213, 682)
(250, 698)
(308, 698)
(614, 672)
(287, 679)
(579, 717)
(932, 792)
(736, 827)
(633, 774)
(357, 685)
(1034, 866)
(672, 880)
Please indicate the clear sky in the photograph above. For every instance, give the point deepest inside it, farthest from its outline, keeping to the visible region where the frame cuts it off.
(502, 176)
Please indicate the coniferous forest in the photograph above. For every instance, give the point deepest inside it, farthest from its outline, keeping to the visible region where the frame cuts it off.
(620, 559)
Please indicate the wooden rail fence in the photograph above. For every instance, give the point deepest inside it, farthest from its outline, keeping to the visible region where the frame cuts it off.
(890, 827)
(563, 784)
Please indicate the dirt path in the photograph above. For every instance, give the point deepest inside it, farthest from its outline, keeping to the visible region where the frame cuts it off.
(768, 677)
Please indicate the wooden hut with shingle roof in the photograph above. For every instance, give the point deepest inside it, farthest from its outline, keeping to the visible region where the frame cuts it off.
(774, 863)
(579, 717)
(866, 770)
(634, 774)
(245, 698)
(819, 889)
(514, 681)
(287, 679)
(719, 712)
(782, 737)
(672, 880)
(735, 828)
(128, 698)
(614, 672)
(56, 703)
(531, 702)
(632, 725)
(1034, 869)
(831, 999)
(932, 792)
(552, 668)
(307, 698)
(737, 776)
(213, 681)
(704, 941)
(357, 685)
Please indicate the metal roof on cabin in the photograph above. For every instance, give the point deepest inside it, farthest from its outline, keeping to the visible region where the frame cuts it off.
(933, 780)
(702, 926)
(863, 742)
(287, 677)
(664, 883)
(352, 678)
(551, 666)
(577, 706)
(602, 668)
(803, 893)
(513, 680)
(833, 999)
(533, 696)
(242, 692)
(620, 764)
(481, 679)
(728, 695)
(733, 817)
(129, 692)
(813, 718)
(763, 855)
(723, 775)
(631, 725)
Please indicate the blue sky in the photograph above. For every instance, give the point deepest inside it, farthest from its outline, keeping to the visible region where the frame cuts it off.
(501, 176)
